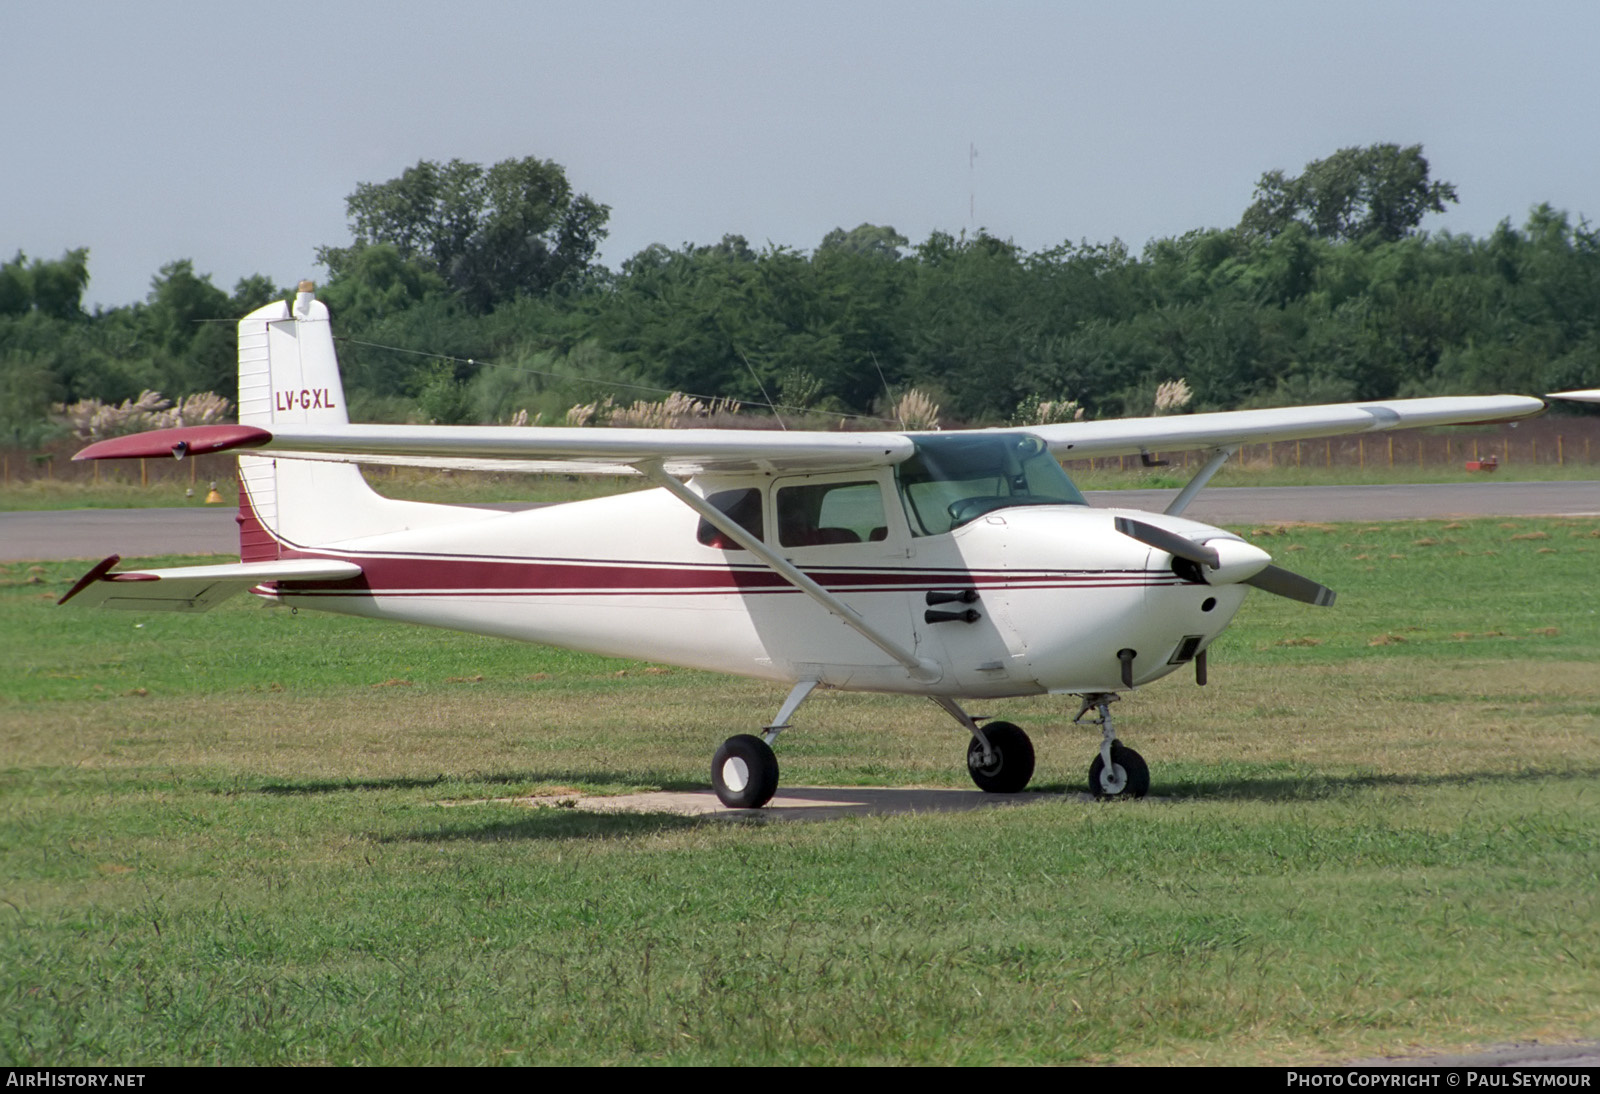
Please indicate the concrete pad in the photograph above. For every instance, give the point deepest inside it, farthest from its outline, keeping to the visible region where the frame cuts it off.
(805, 802)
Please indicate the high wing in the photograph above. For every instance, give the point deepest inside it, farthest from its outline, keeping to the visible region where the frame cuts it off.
(193, 588)
(1128, 436)
(536, 448)
(1590, 396)
(712, 451)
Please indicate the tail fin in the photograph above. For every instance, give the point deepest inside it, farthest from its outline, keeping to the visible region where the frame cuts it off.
(288, 371)
(289, 374)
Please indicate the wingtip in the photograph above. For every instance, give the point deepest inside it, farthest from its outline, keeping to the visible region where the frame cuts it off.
(100, 570)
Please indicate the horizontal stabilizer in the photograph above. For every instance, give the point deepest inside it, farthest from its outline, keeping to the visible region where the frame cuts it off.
(194, 588)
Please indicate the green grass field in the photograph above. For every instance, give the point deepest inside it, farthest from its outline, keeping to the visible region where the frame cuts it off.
(253, 836)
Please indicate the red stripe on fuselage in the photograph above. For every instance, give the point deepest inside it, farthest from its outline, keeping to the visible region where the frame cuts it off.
(412, 575)
(418, 575)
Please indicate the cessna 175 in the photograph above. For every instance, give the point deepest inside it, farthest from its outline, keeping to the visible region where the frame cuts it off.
(957, 566)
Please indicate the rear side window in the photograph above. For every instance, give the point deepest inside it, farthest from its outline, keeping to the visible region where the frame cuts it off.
(744, 506)
(833, 512)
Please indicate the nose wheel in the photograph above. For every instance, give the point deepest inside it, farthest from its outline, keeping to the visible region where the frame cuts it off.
(1119, 771)
(1128, 776)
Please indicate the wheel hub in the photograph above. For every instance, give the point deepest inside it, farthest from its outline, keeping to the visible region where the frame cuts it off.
(735, 774)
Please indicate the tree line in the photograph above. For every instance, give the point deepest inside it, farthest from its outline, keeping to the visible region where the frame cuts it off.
(472, 294)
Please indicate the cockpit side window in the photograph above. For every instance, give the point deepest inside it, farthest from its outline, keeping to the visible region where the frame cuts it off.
(951, 480)
(744, 506)
(831, 512)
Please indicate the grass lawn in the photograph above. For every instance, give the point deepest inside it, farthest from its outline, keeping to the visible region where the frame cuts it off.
(252, 836)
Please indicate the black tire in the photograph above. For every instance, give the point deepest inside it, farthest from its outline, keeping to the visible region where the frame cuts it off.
(744, 772)
(1135, 774)
(1011, 765)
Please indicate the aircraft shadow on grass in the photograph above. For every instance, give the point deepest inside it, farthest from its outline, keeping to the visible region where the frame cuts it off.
(563, 818)
(1303, 788)
(578, 815)
(519, 779)
(549, 823)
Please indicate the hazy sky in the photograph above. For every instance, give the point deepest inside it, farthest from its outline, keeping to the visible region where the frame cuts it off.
(230, 134)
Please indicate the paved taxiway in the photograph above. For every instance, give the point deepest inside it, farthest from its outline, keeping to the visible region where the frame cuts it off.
(138, 533)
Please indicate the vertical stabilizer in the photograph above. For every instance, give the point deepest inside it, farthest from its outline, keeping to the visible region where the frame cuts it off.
(288, 371)
(289, 374)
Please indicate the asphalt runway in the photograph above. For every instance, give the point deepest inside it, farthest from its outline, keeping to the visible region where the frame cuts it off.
(138, 533)
(1264, 504)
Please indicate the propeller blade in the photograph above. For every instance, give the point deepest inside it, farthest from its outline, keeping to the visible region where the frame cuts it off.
(1162, 540)
(1280, 582)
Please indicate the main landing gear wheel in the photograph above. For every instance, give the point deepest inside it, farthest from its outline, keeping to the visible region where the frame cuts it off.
(744, 772)
(1129, 776)
(1009, 765)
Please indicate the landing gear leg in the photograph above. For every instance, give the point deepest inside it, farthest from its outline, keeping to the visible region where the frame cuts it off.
(744, 772)
(1119, 771)
(999, 757)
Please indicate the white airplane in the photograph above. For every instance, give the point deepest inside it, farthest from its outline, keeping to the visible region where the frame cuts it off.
(956, 566)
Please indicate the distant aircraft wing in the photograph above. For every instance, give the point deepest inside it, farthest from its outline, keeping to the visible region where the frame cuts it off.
(193, 588)
(1180, 432)
(1590, 396)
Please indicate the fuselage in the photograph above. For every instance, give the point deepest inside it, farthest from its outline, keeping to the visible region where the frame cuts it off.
(1055, 590)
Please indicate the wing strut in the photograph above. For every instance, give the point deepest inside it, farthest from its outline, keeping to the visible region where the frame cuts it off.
(920, 668)
(1201, 477)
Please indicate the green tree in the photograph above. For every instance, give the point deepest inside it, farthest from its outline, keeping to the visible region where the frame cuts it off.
(28, 386)
(514, 229)
(870, 239)
(53, 288)
(1382, 192)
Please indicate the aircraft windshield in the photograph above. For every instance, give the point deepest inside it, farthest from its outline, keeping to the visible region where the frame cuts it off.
(951, 480)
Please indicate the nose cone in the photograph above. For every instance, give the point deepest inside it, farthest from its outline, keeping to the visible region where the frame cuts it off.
(1236, 561)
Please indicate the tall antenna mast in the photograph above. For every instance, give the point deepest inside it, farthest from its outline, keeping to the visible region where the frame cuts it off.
(972, 186)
